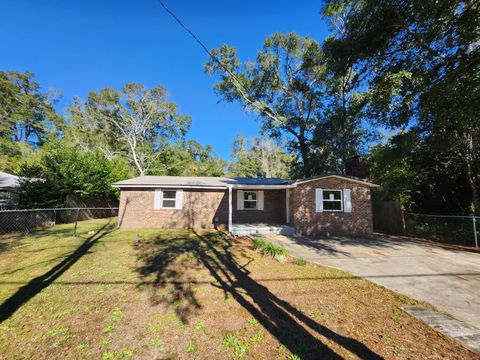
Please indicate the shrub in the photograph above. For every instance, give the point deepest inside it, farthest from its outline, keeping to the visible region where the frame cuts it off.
(267, 248)
(301, 262)
(259, 243)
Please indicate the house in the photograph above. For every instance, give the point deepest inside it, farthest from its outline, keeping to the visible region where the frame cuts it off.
(8, 189)
(329, 204)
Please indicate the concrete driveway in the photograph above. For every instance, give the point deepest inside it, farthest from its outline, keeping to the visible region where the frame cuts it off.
(447, 278)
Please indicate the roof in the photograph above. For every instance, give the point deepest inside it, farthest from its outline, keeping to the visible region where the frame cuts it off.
(220, 182)
(9, 181)
(345, 177)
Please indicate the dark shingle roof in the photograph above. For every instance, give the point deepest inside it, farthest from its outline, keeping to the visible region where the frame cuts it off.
(200, 181)
(220, 182)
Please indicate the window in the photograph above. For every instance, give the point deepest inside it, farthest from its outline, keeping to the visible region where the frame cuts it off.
(169, 199)
(250, 200)
(332, 200)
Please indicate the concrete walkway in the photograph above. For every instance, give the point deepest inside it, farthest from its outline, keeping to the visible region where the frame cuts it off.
(447, 278)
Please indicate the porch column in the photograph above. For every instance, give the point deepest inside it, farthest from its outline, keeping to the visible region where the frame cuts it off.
(230, 209)
(287, 206)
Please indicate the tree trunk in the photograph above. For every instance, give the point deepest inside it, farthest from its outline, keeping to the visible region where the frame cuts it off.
(141, 170)
(304, 153)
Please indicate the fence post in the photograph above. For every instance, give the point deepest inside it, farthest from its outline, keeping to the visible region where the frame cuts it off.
(54, 217)
(76, 221)
(475, 231)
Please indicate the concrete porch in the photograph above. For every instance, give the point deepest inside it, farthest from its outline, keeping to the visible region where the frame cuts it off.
(268, 210)
(261, 228)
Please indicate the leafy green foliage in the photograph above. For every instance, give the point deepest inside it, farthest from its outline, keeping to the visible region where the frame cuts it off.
(58, 172)
(259, 157)
(109, 137)
(26, 112)
(301, 262)
(188, 159)
(282, 86)
(267, 248)
(300, 97)
(135, 123)
(420, 60)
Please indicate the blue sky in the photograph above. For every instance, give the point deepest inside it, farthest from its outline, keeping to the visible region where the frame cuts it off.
(78, 46)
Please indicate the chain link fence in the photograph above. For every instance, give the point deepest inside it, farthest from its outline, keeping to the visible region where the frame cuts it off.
(27, 221)
(459, 230)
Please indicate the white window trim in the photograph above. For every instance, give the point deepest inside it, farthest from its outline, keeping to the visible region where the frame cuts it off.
(158, 199)
(256, 200)
(259, 200)
(341, 200)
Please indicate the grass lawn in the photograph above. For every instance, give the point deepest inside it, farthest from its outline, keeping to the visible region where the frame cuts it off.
(181, 294)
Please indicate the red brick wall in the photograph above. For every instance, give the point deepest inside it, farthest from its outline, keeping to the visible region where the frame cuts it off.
(309, 222)
(273, 209)
(200, 208)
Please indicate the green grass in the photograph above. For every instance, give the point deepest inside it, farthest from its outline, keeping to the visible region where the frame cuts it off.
(300, 262)
(184, 294)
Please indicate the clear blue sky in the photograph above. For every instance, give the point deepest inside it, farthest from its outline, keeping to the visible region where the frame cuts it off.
(83, 45)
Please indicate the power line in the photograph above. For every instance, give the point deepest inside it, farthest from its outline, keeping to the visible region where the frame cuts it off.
(238, 85)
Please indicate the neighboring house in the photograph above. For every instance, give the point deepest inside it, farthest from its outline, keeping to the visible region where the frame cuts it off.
(329, 204)
(8, 189)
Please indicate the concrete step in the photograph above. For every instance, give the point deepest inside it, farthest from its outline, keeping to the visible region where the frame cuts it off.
(242, 229)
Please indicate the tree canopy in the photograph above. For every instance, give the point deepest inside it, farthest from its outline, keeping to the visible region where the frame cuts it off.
(259, 157)
(421, 62)
(134, 123)
(409, 70)
(297, 97)
(110, 136)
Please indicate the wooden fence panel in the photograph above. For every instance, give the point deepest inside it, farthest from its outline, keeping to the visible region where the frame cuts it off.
(388, 217)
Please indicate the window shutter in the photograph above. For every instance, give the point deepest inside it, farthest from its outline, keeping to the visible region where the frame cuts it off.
(318, 200)
(347, 200)
(259, 200)
(157, 201)
(179, 199)
(239, 199)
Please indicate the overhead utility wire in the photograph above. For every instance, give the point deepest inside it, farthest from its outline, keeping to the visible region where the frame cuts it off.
(236, 82)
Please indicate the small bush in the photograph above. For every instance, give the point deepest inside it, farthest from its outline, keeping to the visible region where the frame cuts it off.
(267, 248)
(259, 244)
(301, 262)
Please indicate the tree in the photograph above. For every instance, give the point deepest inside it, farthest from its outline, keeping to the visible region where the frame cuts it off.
(259, 157)
(339, 134)
(26, 112)
(134, 123)
(27, 118)
(412, 171)
(57, 172)
(421, 60)
(189, 159)
(284, 86)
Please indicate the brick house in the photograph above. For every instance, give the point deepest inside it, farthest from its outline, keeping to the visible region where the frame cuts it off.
(329, 204)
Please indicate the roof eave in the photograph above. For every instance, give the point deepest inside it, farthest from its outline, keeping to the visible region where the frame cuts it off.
(358, 181)
(159, 186)
(276, 186)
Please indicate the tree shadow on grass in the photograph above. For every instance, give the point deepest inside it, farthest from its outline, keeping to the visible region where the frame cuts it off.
(293, 329)
(155, 257)
(36, 285)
